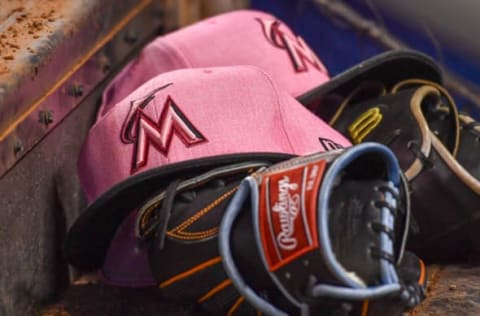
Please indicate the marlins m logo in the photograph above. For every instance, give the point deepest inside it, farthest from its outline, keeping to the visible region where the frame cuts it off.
(141, 130)
(298, 51)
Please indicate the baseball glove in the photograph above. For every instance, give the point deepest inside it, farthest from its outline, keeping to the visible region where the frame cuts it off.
(438, 150)
(321, 234)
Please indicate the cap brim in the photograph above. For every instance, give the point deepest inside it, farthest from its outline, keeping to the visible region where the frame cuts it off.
(88, 239)
(389, 68)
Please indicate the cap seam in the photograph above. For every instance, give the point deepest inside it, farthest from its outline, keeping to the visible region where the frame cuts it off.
(178, 52)
(275, 89)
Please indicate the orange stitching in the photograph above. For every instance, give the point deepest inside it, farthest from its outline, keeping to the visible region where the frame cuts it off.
(219, 287)
(191, 271)
(194, 235)
(179, 230)
(365, 308)
(421, 280)
(147, 214)
(206, 209)
(235, 306)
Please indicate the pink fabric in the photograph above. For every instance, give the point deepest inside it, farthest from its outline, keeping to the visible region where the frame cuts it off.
(236, 38)
(229, 109)
(235, 109)
(126, 262)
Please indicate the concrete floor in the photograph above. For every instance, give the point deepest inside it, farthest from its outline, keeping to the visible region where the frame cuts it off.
(452, 290)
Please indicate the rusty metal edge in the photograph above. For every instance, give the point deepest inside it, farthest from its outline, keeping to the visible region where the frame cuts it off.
(44, 114)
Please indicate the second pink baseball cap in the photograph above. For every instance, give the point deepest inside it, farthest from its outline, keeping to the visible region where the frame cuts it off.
(242, 37)
(176, 117)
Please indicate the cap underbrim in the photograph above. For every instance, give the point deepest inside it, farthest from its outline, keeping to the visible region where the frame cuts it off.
(389, 68)
(89, 238)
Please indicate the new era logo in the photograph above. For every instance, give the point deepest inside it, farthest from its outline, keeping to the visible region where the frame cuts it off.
(329, 144)
(142, 130)
(296, 48)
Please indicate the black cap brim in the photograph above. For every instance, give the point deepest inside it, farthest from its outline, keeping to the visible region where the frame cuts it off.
(89, 238)
(388, 68)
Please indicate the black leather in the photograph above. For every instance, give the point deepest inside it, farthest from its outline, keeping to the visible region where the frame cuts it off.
(191, 246)
(445, 208)
(353, 211)
(88, 239)
(351, 217)
(387, 68)
(447, 212)
(396, 129)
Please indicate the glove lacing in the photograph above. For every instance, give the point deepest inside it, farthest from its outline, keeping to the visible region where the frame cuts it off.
(384, 253)
(377, 89)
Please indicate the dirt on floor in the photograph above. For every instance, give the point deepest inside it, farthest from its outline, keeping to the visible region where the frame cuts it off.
(451, 290)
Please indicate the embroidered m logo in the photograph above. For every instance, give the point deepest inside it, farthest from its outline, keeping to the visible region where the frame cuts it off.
(299, 52)
(142, 130)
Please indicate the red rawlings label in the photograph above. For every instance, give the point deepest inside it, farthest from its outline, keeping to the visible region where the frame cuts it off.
(288, 213)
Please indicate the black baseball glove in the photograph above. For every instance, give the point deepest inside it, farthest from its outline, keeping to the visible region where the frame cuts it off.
(398, 99)
(316, 235)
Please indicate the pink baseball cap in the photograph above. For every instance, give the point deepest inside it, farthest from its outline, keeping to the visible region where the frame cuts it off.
(237, 38)
(168, 121)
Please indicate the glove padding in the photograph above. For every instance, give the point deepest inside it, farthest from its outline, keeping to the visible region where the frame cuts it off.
(318, 234)
(437, 148)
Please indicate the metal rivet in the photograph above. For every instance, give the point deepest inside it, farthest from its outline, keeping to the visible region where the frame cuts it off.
(104, 63)
(130, 37)
(346, 307)
(287, 275)
(17, 147)
(45, 117)
(75, 90)
(159, 13)
(306, 263)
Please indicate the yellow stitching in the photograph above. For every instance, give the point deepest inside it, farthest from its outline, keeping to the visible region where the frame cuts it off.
(179, 231)
(365, 124)
(347, 100)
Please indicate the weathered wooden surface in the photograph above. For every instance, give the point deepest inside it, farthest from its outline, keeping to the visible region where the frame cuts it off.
(452, 290)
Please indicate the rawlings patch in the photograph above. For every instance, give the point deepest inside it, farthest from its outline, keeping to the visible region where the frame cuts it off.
(288, 213)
